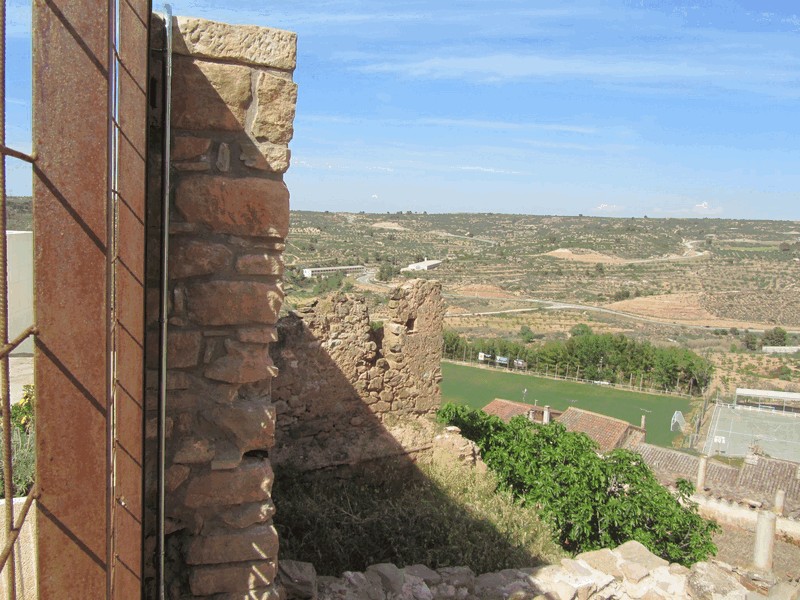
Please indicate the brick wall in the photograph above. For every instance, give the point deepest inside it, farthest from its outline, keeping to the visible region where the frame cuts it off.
(343, 386)
(232, 113)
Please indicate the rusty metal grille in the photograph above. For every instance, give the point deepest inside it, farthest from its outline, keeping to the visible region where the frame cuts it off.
(12, 527)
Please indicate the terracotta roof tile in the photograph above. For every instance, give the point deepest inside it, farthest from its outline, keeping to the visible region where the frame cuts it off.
(608, 432)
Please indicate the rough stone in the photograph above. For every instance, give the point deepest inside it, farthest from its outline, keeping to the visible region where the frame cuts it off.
(255, 543)
(257, 335)
(260, 264)
(248, 514)
(208, 580)
(784, 591)
(243, 206)
(244, 363)
(636, 552)
(183, 348)
(276, 98)
(265, 157)
(223, 157)
(634, 571)
(234, 302)
(193, 451)
(428, 575)
(189, 147)
(458, 576)
(175, 476)
(299, 579)
(602, 560)
(190, 258)
(391, 577)
(249, 44)
(251, 422)
(209, 95)
(708, 582)
(251, 482)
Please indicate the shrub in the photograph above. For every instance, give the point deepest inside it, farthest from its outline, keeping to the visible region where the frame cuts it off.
(592, 501)
(23, 445)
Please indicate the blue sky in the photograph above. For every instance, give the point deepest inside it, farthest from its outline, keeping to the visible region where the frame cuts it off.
(618, 108)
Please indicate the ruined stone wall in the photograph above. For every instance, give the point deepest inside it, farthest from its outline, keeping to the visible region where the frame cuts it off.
(345, 391)
(232, 112)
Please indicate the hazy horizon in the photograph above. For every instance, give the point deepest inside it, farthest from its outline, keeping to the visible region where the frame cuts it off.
(616, 108)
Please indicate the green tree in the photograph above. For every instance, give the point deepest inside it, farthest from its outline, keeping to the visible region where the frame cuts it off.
(774, 337)
(526, 334)
(592, 501)
(751, 341)
(580, 329)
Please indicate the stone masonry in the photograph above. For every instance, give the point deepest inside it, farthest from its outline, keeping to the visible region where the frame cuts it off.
(232, 114)
(343, 384)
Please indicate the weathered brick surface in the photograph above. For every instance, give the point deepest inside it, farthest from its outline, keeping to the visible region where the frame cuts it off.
(234, 302)
(205, 581)
(233, 106)
(191, 258)
(361, 379)
(251, 482)
(245, 206)
(276, 99)
(247, 44)
(209, 95)
(255, 543)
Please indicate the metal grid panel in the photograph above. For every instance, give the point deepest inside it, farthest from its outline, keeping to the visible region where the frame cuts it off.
(12, 528)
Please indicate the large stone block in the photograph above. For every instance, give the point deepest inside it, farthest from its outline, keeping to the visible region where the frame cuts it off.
(190, 258)
(260, 264)
(208, 95)
(244, 363)
(265, 157)
(251, 422)
(255, 543)
(234, 302)
(250, 482)
(183, 348)
(248, 44)
(205, 581)
(247, 206)
(276, 99)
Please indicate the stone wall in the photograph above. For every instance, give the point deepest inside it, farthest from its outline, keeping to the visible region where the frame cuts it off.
(232, 112)
(344, 385)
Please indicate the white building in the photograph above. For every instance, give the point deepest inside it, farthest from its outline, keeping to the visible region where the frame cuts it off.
(425, 265)
(20, 287)
(348, 270)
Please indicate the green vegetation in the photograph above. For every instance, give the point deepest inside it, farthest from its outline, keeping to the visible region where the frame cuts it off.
(442, 514)
(592, 501)
(23, 445)
(475, 387)
(605, 357)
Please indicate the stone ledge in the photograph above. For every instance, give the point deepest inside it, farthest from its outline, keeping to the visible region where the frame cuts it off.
(248, 44)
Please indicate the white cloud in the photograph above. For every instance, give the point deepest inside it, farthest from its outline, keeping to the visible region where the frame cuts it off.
(609, 208)
(488, 170)
(374, 196)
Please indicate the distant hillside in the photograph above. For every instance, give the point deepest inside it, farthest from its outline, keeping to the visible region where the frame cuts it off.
(19, 210)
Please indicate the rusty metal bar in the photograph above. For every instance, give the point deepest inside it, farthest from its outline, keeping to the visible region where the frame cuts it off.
(14, 533)
(9, 347)
(4, 370)
(29, 158)
(70, 101)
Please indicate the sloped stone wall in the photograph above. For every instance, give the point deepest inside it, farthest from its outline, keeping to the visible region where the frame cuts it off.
(343, 384)
(232, 112)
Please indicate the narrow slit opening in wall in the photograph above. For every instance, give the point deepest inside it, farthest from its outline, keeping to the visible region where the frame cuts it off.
(410, 325)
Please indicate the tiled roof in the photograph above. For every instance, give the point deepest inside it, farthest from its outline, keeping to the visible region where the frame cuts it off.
(608, 432)
(506, 409)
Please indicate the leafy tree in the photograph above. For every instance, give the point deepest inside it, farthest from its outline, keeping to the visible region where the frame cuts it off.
(580, 329)
(774, 337)
(751, 341)
(526, 334)
(592, 501)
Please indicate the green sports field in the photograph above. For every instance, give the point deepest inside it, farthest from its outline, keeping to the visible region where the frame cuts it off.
(477, 387)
